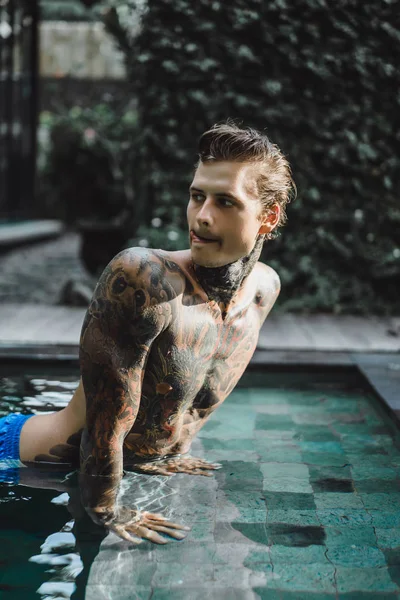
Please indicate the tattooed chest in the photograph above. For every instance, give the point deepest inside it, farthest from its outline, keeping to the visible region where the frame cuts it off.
(190, 371)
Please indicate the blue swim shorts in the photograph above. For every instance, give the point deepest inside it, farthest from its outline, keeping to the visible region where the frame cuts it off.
(10, 431)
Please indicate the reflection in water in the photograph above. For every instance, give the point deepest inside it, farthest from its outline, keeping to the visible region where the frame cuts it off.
(310, 474)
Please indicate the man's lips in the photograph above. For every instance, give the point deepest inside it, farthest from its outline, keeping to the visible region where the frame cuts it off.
(201, 240)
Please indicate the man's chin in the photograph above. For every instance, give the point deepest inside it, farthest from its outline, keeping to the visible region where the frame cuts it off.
(208, 262)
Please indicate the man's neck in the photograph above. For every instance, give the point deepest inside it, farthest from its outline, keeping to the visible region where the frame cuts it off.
(222, 283)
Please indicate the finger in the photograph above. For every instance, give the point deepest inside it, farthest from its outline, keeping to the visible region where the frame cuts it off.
(207, 465)
(166, 523)
(201, 472)
(151, 535)
(122, 533)
(157, 517)
(178, 535)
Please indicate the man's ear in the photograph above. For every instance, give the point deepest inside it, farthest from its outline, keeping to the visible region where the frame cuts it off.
(270, 219)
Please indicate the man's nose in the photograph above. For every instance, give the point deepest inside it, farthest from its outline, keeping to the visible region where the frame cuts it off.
(205, 213)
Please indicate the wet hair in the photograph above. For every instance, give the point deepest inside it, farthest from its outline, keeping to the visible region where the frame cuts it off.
(273, 177)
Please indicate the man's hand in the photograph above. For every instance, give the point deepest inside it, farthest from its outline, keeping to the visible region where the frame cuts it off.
(133, 526)
(98, 495)
(171, 466)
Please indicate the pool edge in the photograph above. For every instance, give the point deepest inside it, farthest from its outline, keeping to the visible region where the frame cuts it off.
(380, 370)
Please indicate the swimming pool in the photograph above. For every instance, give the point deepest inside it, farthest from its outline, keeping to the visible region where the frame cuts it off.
(306, 504)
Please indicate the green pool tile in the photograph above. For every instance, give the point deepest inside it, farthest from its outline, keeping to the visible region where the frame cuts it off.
(276, 437)
(116, 592)
(312, 433)
(275, 422)
(243, 555)
(238, 470)
(333, 485)
(295, 535)
(252, 516)
(202, 531)
(356, 556)
(369, 596)
(344, 517)
(318, 472)
(244, 485)
(308, 418)
(293, 517)
(373, 579)
(385, 519)
(371, 460)
(330, 447)
(241, 499)
(373, 472)
(227, 456)
(240, 578)
(268, 594)
(370, 486)
(229, 513)
(234, 444)
(300, 555)
(278, 454)
(289, 501)
(324, 459)
(273, 409)
(185, 575)
(285, 477)
(360, 442)
(394, 572)
(304, 578)
(350, 534)
(337, 500)
(388, 538)
(283, 470)
(392, 556)
(189, 552)
(240, 533)
(258, 556)
(354, 429)
(287, 484)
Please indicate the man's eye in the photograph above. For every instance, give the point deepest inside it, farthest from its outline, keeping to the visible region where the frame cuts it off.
(227, 202)
(197, 197)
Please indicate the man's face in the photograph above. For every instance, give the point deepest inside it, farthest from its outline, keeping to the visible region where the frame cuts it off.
(224, 214)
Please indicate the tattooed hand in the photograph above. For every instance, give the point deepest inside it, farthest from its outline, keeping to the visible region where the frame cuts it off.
(133, 526)
(171, 466)
(128, 523)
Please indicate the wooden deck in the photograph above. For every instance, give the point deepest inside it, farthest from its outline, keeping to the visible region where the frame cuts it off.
(38, 324)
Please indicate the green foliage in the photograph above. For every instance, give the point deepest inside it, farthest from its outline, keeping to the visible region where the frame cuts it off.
(323, 79)
(85, 162)
(69, 10)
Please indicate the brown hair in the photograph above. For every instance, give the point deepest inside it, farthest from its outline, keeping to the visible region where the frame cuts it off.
(274, 182)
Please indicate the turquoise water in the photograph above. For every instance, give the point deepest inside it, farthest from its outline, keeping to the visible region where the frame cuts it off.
(305, 506)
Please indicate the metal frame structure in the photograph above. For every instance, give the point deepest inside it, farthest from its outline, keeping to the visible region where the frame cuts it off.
(19, 30)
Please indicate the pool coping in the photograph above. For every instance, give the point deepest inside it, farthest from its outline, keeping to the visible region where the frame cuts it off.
(381, 370)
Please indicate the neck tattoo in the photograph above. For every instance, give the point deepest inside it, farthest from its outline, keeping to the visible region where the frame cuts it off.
(222, 283)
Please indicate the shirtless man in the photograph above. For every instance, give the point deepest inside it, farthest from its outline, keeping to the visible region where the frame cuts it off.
(168, 334)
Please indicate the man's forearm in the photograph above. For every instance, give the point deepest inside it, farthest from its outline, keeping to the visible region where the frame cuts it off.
(100, 476)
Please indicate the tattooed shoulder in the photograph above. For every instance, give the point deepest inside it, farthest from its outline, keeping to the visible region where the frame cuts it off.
(267, 289)
(135, 290)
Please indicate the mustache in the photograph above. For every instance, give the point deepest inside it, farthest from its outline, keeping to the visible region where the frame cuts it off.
(205, 235)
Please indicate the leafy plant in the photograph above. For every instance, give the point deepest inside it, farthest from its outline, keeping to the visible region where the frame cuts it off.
(322, 78)
(86, 162)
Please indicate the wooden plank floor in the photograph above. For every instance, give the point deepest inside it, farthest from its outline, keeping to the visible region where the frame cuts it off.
(40, 324)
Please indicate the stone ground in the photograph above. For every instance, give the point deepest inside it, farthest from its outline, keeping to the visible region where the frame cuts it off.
(37, 273)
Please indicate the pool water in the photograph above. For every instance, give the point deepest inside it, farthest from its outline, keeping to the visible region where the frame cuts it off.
(305, 506)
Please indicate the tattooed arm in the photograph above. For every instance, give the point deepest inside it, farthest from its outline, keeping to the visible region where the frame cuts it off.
(131, 306)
